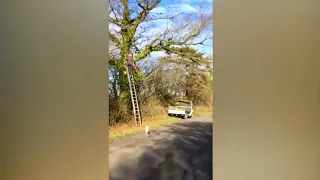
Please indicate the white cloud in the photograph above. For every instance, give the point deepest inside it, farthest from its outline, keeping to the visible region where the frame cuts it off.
(158, 54)
(173, 9)
(159, 9)
(207, 9)
(196, 1)
(186, 8)
(155, 55)
(113, 27)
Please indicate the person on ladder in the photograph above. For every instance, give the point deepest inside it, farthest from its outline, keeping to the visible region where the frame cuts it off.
(131, 64)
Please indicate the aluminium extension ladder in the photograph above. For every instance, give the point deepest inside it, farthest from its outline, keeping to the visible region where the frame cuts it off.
(134, 97)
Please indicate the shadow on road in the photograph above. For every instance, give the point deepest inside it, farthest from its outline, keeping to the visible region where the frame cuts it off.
(179, 152)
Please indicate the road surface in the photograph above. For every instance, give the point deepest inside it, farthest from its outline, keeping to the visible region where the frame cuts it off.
(181, 151)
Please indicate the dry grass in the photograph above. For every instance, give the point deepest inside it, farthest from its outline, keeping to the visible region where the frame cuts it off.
(125, 129)
(202, 110)
(156, 120)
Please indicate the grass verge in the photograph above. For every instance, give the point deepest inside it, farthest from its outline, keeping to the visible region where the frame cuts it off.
(202, 110)
(129, 128)
(125, 129)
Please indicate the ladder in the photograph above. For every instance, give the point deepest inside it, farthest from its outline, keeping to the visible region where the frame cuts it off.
(134, 97)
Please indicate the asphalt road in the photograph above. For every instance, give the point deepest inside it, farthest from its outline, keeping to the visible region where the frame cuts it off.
(181, 151)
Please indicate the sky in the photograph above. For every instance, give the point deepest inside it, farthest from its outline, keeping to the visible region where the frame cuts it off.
(171, 7)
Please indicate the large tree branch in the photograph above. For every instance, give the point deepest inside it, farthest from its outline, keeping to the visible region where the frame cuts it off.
(143, 14)
(167, 44)
(114, 39)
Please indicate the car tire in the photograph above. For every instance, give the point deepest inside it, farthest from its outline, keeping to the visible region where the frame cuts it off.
(184, 116)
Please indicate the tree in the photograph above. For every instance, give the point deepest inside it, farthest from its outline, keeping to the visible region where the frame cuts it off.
(188, 79)
(130, 22)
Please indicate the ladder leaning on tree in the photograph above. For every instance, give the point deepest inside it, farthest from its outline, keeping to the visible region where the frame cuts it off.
(133, 92)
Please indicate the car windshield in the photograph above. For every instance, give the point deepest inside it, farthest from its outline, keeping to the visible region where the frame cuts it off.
(182, 103)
